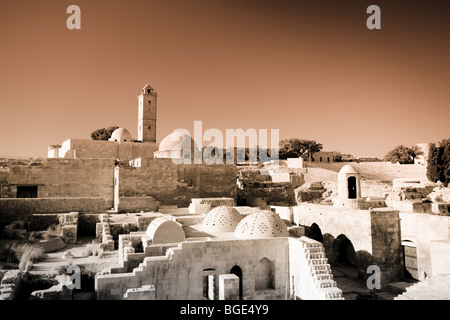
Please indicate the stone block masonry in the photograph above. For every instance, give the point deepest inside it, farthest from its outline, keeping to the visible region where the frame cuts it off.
(172, 184)
(12, 209)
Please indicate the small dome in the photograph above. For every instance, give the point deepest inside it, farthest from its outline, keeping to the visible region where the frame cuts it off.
(261, 224)
(177, 140)
(221, 219)
(120, 134)
(348, 169)
(163, 230)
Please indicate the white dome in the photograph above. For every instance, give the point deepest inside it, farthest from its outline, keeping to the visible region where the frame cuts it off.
(348, 169)
(120, 134)
(163, 230)
(177, 140)
(261, 224)
(221, 219)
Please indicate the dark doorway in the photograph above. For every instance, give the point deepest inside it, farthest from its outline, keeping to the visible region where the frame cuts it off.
(351, 182)
(236, 270)
(27, 191)
(344, 252)
(314, 233)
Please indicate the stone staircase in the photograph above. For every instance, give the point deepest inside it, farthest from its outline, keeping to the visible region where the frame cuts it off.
(320, 271)
(433, 288)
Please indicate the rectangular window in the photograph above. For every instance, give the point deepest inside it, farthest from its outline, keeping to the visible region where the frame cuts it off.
(27, 191)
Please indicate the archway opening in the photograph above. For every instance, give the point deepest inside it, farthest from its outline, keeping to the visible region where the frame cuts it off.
(264, 275)
(236, 270)
(314, 233)
(351, 184)
(344, 257)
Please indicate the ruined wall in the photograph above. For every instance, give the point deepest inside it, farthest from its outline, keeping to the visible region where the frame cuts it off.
(386, 244)
(137, 204)
(180, 275)
(63, 178)
(11, 209)
(422, 229)
(172, 184)
(102, 149)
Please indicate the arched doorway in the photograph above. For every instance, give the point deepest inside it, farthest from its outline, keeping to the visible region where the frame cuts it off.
(236, 270)
(343, 252)
(346, 252)
(344, 257)
(351, 184)
(314, 233)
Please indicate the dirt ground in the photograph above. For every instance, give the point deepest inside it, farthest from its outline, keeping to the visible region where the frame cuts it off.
(55, 260)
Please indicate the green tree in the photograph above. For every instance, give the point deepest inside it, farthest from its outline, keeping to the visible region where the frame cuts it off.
(403, 155)
(294, 148)
(103, 133)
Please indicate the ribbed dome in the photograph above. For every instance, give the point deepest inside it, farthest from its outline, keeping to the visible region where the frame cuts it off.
(177, 140)
(120, 134)
(221, 219)
(261, 224)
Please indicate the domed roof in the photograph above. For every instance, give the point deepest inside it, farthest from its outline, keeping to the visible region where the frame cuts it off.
(120, 134)
(348, 169)
(261, 224)
(163, 230)
(221, 219)
(177, 140)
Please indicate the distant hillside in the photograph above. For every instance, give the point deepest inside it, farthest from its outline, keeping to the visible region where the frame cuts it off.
(380, 171)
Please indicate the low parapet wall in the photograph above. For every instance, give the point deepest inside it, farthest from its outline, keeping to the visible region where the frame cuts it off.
(11, 209)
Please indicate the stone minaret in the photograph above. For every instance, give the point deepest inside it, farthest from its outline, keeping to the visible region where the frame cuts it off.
(147, 115)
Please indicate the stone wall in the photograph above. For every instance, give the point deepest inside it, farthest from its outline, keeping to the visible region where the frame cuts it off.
(422, 229)
(87, 185)
(375, 239)
(440, 257)
(386, 244)
(11, 209)
(137, 204)
(172, 184)
(61, 178)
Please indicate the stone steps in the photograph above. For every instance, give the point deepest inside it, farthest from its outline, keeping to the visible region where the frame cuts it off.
(320, 270)
(433, 288)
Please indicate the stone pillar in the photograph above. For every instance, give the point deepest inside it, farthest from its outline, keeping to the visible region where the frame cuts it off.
(228, 287)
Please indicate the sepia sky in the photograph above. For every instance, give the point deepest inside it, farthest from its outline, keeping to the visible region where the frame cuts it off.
(311, 69)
